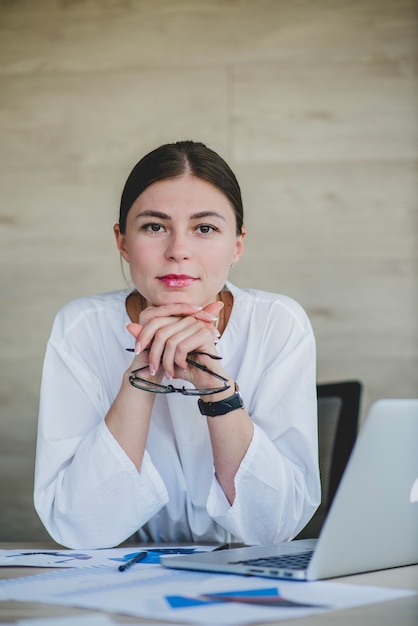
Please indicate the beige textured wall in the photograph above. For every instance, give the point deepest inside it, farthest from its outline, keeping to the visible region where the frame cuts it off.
(314, 104)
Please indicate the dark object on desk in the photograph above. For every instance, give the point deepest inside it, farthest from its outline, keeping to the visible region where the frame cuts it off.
(138, 557)
(338, 416)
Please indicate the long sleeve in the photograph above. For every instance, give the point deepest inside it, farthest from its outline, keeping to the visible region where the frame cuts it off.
(277, 484)
(87, 491)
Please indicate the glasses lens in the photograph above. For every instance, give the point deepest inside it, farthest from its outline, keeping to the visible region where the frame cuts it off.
(146, 385)
(142, 383)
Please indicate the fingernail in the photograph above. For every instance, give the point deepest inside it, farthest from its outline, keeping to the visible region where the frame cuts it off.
(197, 307)
(209, 317)
(168, 376)
(138, 348)
(152, 370)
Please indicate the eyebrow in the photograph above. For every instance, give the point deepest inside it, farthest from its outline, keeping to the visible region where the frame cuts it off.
(165, 216)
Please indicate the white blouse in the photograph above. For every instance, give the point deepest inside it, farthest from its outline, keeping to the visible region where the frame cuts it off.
(89, 494)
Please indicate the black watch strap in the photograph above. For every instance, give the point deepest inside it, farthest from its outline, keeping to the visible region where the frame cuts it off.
(221, 407)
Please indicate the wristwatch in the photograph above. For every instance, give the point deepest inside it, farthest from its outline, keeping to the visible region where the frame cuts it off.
(221, 407)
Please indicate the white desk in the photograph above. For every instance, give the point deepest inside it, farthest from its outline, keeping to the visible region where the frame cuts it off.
(401, 612)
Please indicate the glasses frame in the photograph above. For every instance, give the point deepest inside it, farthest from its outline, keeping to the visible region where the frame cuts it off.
(143, 384)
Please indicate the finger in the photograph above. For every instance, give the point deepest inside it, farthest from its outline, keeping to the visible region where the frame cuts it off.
(175, 353)
(172, 343)
(152, 319)
(163, 347)
(196, 336)
(210, 312)
(203, 378)
(135, 330)
(182, 310)
(161, 331)
(168, 310)
(147, 336)
(214, 308)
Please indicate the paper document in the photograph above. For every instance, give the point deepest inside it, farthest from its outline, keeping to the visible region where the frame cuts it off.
(72, 620)
(33, 557)
(153, 592)
(76, 620)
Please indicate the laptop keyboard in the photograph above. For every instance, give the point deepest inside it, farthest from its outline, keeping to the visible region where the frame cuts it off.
(288, 561)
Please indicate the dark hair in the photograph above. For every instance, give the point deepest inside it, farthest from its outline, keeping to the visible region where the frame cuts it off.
(174, 159)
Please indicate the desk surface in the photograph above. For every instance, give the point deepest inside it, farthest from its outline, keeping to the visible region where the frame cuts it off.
(403, 611)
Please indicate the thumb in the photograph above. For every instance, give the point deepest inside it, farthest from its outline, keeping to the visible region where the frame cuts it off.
(214, 308)
(134, 329)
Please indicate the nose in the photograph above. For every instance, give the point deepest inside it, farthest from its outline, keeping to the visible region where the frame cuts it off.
(178, 248)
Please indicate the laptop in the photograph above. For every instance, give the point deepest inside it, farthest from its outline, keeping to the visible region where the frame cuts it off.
(373, 520)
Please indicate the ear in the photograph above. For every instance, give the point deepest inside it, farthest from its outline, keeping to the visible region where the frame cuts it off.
(239, 249)
(121, 242)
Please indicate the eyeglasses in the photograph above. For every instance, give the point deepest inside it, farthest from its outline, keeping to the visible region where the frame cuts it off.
(146, 385)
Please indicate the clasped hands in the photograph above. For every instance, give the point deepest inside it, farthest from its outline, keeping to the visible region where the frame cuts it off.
(166, 334)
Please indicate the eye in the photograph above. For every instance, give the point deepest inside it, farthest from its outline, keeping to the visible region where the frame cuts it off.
(206, 229)
(153, 227)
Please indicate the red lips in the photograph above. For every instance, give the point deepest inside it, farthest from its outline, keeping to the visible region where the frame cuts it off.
(177, 280)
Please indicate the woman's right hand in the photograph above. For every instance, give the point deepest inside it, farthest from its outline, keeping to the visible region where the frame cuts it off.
(166, 334)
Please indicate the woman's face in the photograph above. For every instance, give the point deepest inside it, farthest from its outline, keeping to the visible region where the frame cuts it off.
(180, 241)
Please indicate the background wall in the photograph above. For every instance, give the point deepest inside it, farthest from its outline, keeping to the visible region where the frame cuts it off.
(313, 103)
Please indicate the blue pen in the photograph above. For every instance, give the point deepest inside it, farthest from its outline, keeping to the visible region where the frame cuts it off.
(138, 557)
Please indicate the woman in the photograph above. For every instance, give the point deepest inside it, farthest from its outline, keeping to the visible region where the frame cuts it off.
(184, 409)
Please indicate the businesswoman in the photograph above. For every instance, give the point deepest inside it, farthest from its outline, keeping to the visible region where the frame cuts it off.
(184, 408)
